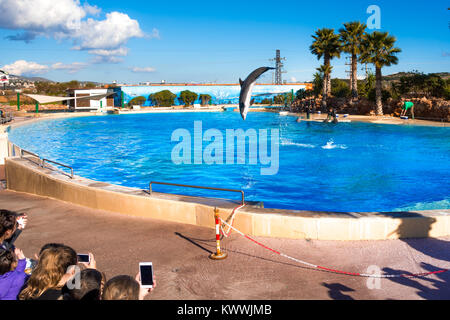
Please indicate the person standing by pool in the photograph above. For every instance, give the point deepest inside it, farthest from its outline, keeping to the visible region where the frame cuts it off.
(331, 117)
(406, 106)
(308, 112)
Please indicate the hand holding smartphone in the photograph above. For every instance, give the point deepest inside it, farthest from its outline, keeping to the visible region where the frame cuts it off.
(22, 221)
(84, 258)
(146, 275)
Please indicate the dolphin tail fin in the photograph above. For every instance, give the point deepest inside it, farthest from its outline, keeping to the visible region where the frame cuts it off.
(241, 82)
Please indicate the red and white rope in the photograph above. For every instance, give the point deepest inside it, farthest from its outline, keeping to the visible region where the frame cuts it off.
(329, 269)
(233, 214)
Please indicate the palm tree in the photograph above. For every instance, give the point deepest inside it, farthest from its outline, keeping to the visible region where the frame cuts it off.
(326, 44)
(378, 48)
(325, 71)
(318, 83)
(351, 37)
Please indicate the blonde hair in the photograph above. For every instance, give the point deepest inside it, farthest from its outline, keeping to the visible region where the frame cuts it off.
(53, 264)
(121, 288)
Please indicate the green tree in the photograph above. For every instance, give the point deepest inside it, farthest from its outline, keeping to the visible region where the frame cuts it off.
(317, 83)
(205, 99)
(90, 85)
(367, 85)
(278, 99)
(326, 44)
(163, 98)
(137, 101)
(340, 88)
(325, 71)
(351, 37)
(300, 94)
(378, 49)
(384, 95)
(188, 97)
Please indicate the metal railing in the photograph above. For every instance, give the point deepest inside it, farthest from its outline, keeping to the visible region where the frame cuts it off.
(41, 162)
(59, 164)
(197, 187)
(22, 151)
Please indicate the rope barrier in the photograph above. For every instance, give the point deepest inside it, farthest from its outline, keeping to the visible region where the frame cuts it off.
(329, 269)
(233, 214)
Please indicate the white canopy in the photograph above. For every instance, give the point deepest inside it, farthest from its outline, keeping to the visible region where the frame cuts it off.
(48, 99)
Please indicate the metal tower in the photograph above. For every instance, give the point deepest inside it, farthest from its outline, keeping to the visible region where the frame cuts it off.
(278, 67)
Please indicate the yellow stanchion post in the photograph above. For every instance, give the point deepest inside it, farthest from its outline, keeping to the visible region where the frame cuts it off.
(218, 255)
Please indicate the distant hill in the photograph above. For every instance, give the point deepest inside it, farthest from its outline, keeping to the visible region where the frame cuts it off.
(29, 79)
(397, 76)
(40, 79)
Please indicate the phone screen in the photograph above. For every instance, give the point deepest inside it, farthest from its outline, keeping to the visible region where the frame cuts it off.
(83, 258)
(146, 275)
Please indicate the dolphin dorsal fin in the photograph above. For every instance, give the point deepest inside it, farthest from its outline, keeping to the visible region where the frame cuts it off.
(241, 82)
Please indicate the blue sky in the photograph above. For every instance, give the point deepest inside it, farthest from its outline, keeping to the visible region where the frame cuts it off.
(210, 41)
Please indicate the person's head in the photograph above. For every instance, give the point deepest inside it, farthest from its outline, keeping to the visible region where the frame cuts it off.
(91, 285)
(53, 264)
(8, 261)
(8, 224)
(50, 245)
(121, 288)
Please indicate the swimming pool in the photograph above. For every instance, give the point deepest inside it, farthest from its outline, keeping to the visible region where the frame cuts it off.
(349, 167)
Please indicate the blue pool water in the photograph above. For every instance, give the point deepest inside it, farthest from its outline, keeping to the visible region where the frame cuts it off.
(354, 167)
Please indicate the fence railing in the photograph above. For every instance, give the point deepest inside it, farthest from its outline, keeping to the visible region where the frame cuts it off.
(59, 164)
(40, 161)
(196, 187)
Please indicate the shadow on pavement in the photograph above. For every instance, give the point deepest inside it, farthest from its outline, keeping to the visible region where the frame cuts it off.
(336, 291)
(435, 248)
(437, 289)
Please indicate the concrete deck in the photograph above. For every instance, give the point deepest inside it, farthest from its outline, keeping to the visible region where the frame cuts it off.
(180, 256)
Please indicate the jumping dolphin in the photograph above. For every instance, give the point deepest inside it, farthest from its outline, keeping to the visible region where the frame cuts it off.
(247, 88)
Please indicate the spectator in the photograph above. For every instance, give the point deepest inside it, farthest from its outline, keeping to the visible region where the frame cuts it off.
(12, 273)
(11, 226)
(125, 288)
(91, 286)
(51, 274)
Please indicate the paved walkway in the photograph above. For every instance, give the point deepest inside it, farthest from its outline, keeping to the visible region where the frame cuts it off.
(180, 257)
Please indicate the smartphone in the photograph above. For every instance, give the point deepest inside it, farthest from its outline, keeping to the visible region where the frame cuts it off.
(84, 258)
(20, 222)
(146, 270)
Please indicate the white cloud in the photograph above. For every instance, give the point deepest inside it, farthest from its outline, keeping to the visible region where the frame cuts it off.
(106, 59)
(155, 34)
(91, 10)
(22, 67)
(68, 19)
(143, 70)
(71, 68)
(293, 79)
(40, 15)
(109, 34)
(121, 52)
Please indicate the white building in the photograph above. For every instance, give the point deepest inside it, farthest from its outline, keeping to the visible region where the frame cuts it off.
(102, 105)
